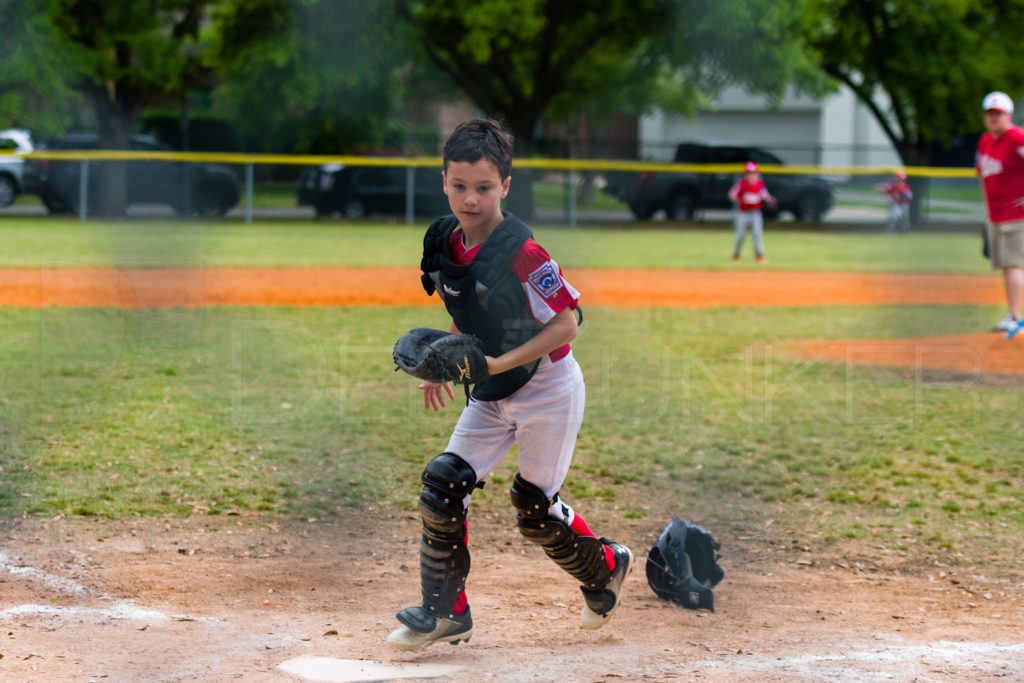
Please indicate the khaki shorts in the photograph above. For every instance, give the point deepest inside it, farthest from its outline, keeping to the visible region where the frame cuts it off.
(1006, 244)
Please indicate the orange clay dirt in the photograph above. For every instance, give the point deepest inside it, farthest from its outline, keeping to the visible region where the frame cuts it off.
(987, 353)
(133, 288)
(236, 598)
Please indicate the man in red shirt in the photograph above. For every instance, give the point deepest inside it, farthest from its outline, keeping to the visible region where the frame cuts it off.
(1000, 164)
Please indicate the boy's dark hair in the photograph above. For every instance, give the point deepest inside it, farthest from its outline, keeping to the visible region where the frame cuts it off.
(479, 139)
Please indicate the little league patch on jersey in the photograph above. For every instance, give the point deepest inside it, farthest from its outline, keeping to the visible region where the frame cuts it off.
(545, 280)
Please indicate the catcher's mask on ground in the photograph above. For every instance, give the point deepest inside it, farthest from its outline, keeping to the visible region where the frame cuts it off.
(682, 566)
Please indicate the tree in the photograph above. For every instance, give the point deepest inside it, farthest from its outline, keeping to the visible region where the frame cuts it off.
(325, 80)
(514, 59)
(32, 71)
(526, 61)
(118, 56)
(127, 54)
(921, 70)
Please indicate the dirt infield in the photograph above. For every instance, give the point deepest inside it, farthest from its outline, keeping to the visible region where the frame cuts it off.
(231, 599)
(970, 354)
(238, 598)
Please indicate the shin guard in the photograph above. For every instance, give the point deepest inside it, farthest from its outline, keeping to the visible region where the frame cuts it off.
(444, 557)
(583, 557)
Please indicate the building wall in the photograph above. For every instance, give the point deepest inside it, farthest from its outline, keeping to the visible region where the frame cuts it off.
(836, 131)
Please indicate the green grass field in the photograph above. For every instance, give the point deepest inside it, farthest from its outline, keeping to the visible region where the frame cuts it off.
(67, 243)
(704, 414)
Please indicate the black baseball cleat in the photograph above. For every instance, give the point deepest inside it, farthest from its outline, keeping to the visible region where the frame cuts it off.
(422, 628)
(601, 603)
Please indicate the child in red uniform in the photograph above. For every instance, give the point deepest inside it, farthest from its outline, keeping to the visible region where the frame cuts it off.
(749, 194)
(498, 284)
(900, 196)
(1000, 163)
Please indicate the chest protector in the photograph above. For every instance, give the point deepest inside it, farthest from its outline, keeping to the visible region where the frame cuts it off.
(484, 297)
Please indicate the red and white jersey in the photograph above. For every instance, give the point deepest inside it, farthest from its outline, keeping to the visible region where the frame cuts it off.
(750, 196)
(1000, 163)
(547, 290)
(899, 192)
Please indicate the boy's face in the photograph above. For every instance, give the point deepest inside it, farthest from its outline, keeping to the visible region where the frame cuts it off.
(751, 176)
(475, 191)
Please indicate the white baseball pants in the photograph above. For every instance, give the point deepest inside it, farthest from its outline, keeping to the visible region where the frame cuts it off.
(543, 418)
(754, 221)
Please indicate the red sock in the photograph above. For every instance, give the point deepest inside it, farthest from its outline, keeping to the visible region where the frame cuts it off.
(462, 602)
(609, 558)
(580, 526)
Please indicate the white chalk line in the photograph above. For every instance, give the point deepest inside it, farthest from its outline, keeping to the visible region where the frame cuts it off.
(55, 582)
(330, 670)
(121, 609)
(981, 655)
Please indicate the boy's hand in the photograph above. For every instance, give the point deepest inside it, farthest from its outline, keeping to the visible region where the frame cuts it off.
(433, 394)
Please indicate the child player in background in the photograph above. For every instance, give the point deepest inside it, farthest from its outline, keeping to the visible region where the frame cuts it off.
(900, 195)
(750, 195)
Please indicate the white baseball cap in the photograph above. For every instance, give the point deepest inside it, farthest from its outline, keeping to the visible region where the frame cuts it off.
(999, 101)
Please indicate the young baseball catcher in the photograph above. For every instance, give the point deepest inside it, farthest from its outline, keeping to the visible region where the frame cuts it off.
(513, 317)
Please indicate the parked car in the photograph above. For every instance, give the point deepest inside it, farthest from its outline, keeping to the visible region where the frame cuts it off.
(213, 189)
(358, 191)
(12, 168)
(680, 195)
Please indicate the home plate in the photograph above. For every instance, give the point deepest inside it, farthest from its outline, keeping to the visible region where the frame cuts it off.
(347, 670)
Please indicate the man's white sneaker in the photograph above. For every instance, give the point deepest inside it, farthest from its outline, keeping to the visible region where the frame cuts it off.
(421, 629)
(600, 604)
(1006, 324)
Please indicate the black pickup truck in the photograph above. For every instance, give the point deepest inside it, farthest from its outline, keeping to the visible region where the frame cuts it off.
(681, 194)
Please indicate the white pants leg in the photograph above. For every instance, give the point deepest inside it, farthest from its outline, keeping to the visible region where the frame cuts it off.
(894, 217)
(757, 227)
(739, 223)
(748, 220)
(904, 222)
(543, 418)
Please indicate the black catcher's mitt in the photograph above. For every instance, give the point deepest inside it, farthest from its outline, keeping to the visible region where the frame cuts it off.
(437, 356)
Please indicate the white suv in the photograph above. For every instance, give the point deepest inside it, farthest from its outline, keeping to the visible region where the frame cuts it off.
(12, 167)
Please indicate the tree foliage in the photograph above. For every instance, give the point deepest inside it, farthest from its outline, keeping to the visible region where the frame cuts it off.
(127, 54)
(922, 69)
(514, 60)
(711, 44)
(33, 70)
(118, 56)
(324, 76)
(536, 60)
